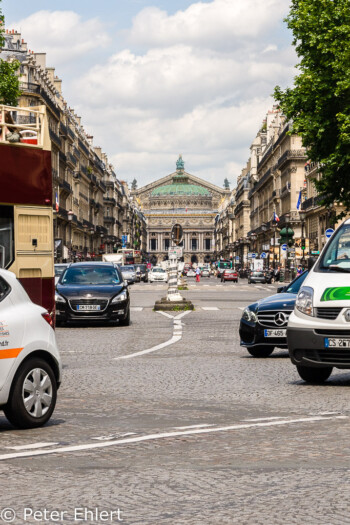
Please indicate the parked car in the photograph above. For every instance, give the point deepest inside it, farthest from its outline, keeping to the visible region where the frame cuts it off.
(59, 269)
(205, 272)
(263, 324)
(319, 328)
(255, 277)
(141, 272)
(191, 273)
(90, 292)
(158, 274)
(30, 361)
(128, 273)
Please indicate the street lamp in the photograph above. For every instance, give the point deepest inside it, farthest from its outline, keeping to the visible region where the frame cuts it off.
(70, 218)
(287, 219)
(274, 226)
(302, 215)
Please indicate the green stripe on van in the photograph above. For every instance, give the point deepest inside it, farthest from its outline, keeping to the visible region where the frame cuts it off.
(340, 293)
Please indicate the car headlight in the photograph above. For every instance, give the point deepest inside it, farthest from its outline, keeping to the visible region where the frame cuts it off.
(304, 302)
(119, 298)
(59, 298)
(249, 315)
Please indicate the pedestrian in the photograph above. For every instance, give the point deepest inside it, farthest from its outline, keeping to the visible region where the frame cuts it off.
(299, 270)
(198, 272)
(277, 273)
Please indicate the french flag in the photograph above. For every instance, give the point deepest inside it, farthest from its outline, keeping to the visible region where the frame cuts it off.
(57, 203)
(275, 217)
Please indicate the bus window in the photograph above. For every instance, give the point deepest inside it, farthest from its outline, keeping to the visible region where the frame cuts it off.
(6, 236)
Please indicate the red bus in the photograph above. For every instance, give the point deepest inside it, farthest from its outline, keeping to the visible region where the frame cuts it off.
(26, 214)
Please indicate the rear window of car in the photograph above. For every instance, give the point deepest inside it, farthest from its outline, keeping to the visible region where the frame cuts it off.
(4, 288)
(59, 270)
(94, 275)
(258, 274)
(158, 270)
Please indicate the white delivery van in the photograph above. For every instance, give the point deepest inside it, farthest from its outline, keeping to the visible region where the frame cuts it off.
(318, 330)
(115, 258)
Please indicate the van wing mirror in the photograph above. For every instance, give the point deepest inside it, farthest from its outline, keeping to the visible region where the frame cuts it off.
(311, 261)
(280, 289)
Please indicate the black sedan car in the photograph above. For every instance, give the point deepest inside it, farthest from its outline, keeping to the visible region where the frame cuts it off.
(91, 292)
(264, 323)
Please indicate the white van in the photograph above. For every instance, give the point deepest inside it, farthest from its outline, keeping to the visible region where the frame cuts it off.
(318, 330)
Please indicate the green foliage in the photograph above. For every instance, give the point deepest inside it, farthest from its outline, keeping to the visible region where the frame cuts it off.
(319, 102)
(9, 82)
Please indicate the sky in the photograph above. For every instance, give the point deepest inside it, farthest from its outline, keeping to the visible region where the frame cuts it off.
(152, 79)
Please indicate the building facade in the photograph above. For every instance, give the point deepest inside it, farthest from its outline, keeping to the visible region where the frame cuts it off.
(93, 209)
(184, 199)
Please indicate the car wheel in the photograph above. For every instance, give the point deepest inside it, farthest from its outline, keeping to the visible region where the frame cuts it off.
(33, 395)
(314, 375)
(261, 351)
(126, 321)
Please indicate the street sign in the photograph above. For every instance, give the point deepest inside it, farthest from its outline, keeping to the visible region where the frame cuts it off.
(254, 255)
(175, 252)
(284, 247)
(263, 255)
(124, 240)
(176, 233)
(315, 252)
(329, 232)
(237, 258)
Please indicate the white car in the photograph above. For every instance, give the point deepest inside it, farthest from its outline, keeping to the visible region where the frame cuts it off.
(191, 273)
(158, 274)
(59, 270)
(30, 364)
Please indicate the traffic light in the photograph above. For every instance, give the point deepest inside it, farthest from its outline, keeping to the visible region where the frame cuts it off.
(302, 244)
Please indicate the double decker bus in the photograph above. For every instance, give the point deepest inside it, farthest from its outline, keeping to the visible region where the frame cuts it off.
(26, 214)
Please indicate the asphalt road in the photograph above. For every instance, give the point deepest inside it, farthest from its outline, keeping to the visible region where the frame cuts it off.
(170, 421)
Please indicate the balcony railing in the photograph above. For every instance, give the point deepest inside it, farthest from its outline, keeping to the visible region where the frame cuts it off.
(289, 155)
(70, 158)
(55, 138)
(109, 200)
(108, 219)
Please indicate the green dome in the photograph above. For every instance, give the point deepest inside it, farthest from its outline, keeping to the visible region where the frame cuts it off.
(180, 189)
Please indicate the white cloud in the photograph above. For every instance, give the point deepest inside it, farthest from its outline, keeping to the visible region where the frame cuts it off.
(63, 35)
(220, 23)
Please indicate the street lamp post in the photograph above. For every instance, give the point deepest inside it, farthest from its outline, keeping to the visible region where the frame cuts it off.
(70, 218)
(274, 225)
(287, 218)
(302, 215)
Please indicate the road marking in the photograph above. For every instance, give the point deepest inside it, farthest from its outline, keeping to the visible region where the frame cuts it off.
(164, 435)
(241, 307)
(166, 315)
(136, 308)
(264, 418)
(209, 308)
(32, 446)
(194, 426)
(180, 316)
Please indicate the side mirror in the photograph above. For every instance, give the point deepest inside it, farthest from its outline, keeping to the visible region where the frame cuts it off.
(311, 261)
(126, 284)
(280, 289)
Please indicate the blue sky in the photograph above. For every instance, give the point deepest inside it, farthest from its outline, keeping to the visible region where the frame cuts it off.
(155, 78)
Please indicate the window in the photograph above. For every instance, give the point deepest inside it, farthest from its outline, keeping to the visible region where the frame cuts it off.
(6, 236)
(194, 245)
(166, 244)
(207, 244)
(4, 288)
(153, 245)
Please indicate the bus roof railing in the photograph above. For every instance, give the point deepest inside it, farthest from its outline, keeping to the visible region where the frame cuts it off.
(24, 127)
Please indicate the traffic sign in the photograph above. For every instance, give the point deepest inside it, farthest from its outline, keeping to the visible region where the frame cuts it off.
(175, 252)
(237, 258)
(254, 255)
(263, 255)
(329, 232)
(284, 247)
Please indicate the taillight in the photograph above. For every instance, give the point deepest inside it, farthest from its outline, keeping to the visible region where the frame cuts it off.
(48, 318)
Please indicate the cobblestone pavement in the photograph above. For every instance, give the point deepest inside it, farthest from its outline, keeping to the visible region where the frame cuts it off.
(164, 454)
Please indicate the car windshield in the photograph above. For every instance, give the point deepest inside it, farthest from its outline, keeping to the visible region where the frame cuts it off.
(59, 270)
(336, 256)
(97, 275)
(258, 274)
(295, 285)
(126, 268)
(158, 270)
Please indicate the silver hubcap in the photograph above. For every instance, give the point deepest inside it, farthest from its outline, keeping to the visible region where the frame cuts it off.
(37, 392)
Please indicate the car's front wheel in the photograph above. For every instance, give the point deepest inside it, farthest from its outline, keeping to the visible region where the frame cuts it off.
(314, 375)
(261, 351)
(33, 395)
(126, 321)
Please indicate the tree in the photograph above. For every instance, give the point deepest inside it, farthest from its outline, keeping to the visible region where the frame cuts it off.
(319, 102)
(134, 184)
(9, 82)
(226, 184)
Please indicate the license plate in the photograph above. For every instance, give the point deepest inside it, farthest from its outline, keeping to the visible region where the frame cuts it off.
(281, 332)
(88, 307)
(331, 342)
